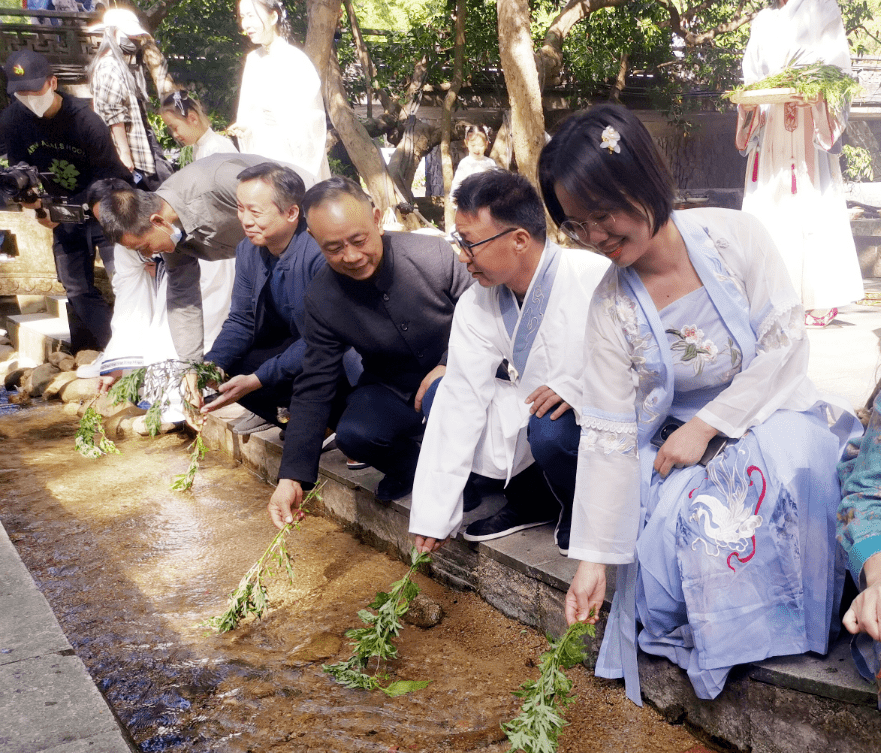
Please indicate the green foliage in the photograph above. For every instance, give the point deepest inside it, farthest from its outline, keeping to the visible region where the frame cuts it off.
(812, 81)
(859, 163)
(184, 481)
(91, 425)
(251, 595)
(540, 722)
(375, 640)
(128, 388)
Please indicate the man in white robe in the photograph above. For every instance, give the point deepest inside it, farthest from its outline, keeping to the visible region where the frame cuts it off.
(528, 311)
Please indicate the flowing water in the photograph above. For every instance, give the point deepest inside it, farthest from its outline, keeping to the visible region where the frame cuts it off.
(131, 568)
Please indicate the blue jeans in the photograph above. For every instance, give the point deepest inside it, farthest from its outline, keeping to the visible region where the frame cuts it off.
(554, 446)
(378, 428)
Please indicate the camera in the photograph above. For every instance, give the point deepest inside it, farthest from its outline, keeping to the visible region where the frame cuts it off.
(23, 184)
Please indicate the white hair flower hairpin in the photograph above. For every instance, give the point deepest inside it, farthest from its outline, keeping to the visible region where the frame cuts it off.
(611, 137)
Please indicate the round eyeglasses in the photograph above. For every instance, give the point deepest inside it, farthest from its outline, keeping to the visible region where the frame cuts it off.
(468, 248)
(580, 231)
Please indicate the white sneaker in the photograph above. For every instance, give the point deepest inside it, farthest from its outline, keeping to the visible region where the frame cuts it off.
(90, 370)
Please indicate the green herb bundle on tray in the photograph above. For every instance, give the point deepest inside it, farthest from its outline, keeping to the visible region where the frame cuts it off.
(811, 80)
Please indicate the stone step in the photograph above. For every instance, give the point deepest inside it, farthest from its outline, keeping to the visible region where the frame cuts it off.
(782, 705)
(56, 305)
(35, 336)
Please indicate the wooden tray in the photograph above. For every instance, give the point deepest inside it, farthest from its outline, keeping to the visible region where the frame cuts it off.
(764, 96)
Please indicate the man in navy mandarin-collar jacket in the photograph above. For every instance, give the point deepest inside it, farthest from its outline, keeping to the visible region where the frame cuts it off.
(260, 344)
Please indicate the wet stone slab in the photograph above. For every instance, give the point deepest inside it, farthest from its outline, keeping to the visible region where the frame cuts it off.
(48, 703)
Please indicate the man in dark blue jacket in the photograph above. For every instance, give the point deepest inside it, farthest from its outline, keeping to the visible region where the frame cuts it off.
(260, 344)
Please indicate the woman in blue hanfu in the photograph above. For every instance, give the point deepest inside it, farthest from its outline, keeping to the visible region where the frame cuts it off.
(694, 335)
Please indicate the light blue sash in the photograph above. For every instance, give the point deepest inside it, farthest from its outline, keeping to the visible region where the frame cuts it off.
(523, 323)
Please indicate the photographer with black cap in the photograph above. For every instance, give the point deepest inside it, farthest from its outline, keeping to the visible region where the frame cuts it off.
(70, 146)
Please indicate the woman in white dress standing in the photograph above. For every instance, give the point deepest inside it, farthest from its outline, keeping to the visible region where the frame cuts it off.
(793, 181)
(281, 109)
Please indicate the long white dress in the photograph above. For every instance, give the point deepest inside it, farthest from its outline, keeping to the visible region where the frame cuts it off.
(735, 562)
(793, 180)
(478, 422)
(282, 109)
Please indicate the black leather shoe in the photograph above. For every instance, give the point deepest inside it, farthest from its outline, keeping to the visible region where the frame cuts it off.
(392, 488)
(506, 521)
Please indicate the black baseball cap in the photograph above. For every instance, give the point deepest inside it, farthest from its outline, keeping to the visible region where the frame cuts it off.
(26, 71)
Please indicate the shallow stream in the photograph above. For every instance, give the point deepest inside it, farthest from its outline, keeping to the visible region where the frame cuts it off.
(131, 568)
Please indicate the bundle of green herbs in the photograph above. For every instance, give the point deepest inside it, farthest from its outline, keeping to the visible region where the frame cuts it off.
(251, 595)
(540, 722)
(157, 383)
(812, 81)
(91, 426)
(375, 640)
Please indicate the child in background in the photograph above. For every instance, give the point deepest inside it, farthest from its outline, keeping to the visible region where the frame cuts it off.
(190, 126)
(476, 161)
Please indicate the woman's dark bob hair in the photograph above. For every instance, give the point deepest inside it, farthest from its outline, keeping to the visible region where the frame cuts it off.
(602, 180)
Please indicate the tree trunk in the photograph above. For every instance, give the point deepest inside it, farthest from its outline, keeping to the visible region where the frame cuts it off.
(550, 56)
(447, 115)
(620, 79)
(363, 55)
(323, 18)
(158, 67)
(364, 153)
(521, 78)
(418, 140)
(502, 151)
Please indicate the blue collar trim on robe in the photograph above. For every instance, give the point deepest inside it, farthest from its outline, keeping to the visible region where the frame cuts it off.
(618, 656)
(523, 323)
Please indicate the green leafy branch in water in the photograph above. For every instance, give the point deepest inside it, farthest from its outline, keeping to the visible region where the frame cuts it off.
(251, 596)
(375, 640)
(540, 721)
(207, 374)
(812, 81)
(91, 425)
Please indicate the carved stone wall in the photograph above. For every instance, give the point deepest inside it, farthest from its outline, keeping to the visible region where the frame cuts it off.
(31, 271)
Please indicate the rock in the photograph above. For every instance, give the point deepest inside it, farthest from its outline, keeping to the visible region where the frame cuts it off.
(58, 382)
(20, 398)
(40, 378)
(114, 425)
(123, 428)
(67, 364)
(319, 647)
(57, 357)
(139, 426)
(15, 379)
(424, 612)
(71, 409)
(10, 364)
(79, 390)
(104, 406)
(86, 356)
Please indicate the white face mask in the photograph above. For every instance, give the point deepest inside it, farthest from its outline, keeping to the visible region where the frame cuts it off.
(176, 234)
(37, 103)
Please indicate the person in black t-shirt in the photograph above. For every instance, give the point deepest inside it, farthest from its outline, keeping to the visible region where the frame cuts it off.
(60, 135)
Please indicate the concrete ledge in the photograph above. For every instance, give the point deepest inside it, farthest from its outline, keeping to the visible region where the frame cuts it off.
(782, 705)
(48, 701)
